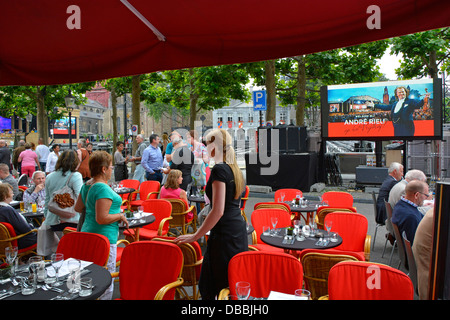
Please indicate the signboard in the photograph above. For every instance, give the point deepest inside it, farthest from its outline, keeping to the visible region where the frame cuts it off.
(134, 130)
(259, 100)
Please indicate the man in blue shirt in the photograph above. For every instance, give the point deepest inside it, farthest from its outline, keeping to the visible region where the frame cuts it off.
(406, 214)
(152, 160)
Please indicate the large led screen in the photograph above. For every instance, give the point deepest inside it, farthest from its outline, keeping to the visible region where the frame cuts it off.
(409, 109)
(61, 129)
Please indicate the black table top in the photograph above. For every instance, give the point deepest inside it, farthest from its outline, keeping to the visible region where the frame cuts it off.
(311, 207)
(124, 190)
(308, 243)
(200, 199)
(138, 222)
(30, 214)
(101, 280)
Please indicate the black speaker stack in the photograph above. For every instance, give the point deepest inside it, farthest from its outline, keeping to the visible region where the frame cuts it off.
(291, 139)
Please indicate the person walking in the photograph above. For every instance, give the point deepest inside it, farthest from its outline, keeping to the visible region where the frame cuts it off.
(152, 160)
(43, 151)
(139, 172)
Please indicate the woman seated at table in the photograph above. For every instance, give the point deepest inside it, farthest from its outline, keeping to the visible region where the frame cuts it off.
(102, 206)
(173, 190)
(18, 222)
(172, 187)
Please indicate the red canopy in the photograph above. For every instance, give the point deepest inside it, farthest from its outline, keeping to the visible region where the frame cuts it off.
(120, 38)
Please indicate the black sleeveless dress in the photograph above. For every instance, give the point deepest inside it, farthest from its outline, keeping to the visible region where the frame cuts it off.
(227, 238)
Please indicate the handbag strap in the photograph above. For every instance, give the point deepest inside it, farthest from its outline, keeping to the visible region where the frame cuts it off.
(67, 182)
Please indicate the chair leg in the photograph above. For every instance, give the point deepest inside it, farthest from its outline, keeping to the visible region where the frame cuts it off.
(375, 237)
(392, 252)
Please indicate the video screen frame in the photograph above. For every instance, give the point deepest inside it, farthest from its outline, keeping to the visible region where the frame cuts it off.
(367, 111)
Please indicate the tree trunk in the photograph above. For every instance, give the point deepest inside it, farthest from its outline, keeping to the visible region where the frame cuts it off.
(432, 65)
(114, 116)
(301, 92)
(41, 114)
(193, 98)
(136, 108)
(270, 91)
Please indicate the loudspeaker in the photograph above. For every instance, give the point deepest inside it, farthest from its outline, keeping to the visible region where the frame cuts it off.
(291, 139)
(296, 139)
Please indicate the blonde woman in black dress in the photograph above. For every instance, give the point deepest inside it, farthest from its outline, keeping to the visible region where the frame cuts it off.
(228, 232)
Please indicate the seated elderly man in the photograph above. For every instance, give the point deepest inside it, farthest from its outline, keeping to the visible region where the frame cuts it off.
(18, 222)
(36, 193)
(6, 177)
(406, 214)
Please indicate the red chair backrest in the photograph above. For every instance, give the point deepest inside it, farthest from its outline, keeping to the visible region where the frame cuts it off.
(146, 267)
(338, 199)
(149, 186)
(261, 218)
(85, 246)
(290, 194)
(4, 235)
(352, 227)
(352, 280)
(161, 209)
(244, 195)
(130, 183)
(265, 271)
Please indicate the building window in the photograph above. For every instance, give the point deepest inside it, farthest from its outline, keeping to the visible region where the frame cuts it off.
(240, 117)
(219, 117)
(250, 117)
(230, 118)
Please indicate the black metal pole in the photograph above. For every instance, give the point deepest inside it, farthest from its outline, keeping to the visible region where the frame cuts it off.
(70, 129)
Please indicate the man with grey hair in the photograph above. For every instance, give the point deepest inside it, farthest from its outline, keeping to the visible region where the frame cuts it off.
(398, 190)
(139, 172)
(395, 174)
(6, 177)
(36, 193)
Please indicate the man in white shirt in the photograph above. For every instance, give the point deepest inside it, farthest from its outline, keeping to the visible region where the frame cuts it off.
(43, 151)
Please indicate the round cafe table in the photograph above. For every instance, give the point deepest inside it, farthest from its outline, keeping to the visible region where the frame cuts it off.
(137, 223)
(308, 243)
(310, 210)
(101, 279)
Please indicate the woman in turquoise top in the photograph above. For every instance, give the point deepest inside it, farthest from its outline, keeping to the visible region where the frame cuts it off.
(102, 206)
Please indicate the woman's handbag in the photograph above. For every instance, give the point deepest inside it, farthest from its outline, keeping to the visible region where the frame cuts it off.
(198, 173)
(47, 240)
(62, 202)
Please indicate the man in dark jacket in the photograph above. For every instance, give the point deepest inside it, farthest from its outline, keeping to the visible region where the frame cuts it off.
(395, 174)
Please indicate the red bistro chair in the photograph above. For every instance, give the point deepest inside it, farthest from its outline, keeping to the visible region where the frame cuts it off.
(85, 246)
(356, 280)
(8, 238)
(290, 194)
(150, 270)
(147, 190)
(352, 227)
(265, 271)
(338, 199)
(162, 210)
(261, 218)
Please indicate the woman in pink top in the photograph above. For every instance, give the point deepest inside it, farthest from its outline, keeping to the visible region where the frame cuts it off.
(29, 160)
(172, 187)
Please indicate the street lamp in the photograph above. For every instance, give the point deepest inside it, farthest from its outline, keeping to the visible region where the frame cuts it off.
(70, 102)
(29, 118)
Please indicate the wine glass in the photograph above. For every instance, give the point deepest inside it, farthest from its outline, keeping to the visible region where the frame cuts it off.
(140, 214)
(242, 290)
(297, 224)
(274, 221)
(57, 262)
(328, 225)
(282, 195)
(11, 255)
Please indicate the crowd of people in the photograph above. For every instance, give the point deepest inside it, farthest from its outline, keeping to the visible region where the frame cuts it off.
(97, 206)
(411, 202)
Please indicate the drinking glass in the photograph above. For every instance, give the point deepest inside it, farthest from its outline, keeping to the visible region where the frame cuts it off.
(302, 294)
(73, 281)
(274, 221)
(34, 264)
(57, 262)
(242, 290)
(328, 225)
(11, 255)
(85, 287)
(297, 224)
